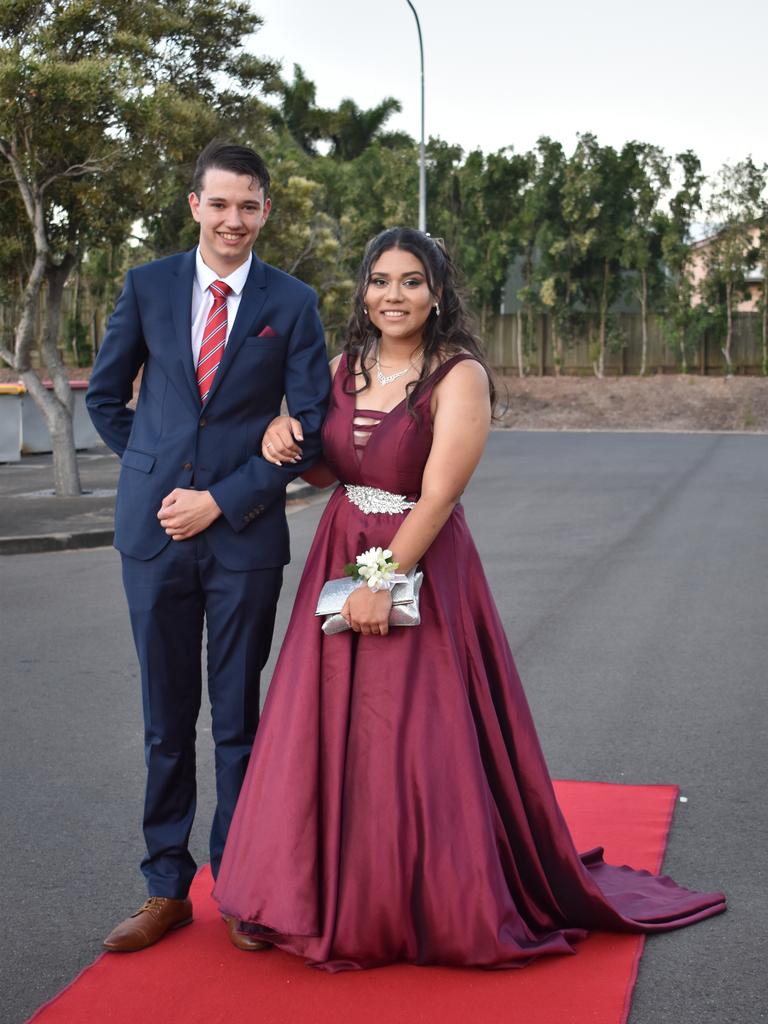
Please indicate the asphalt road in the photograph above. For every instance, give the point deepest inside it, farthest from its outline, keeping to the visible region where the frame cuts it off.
(630, 570)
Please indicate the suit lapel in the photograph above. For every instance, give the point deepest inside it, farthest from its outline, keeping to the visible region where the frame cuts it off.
(182, 321)
(251, 301)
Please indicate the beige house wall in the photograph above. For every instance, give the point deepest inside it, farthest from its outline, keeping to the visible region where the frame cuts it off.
(699, 272)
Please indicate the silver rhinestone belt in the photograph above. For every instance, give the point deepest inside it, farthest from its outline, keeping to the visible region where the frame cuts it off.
(373, 499)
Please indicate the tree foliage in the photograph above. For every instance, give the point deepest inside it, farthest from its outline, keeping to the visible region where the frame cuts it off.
(87, 92)
(734, 207)
(683, 321)
(104, 107)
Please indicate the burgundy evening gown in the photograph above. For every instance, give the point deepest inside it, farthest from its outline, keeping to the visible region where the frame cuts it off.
(397, 805)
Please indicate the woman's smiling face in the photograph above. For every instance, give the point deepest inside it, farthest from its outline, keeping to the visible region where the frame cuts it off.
(398, 296)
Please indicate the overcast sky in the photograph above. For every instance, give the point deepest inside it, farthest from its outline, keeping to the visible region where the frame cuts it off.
(672, 72)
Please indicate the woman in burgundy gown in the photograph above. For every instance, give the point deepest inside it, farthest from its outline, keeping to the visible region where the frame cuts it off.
(397, 805)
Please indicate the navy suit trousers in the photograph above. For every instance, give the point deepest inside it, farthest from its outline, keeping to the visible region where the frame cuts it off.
(171, 597)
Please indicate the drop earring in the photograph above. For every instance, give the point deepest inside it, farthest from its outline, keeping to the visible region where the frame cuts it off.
(365, 310)
(437, 309)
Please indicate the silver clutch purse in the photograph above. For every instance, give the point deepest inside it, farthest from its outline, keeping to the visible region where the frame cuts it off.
(405, 602)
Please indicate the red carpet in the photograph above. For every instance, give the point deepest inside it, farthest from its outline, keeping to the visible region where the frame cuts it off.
(195, 976)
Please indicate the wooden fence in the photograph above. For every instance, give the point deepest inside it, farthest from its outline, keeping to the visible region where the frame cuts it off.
(623, 354)
(624, 351)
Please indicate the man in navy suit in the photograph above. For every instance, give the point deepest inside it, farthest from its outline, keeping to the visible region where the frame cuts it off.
(221, 338)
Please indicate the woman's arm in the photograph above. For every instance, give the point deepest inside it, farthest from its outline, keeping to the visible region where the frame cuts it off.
(319, 474)
(461, 421)
(280, 444)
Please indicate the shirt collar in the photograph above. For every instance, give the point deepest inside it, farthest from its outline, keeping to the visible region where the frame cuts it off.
(236, 280)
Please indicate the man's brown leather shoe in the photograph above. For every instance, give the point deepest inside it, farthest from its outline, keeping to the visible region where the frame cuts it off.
(151, 921)
(242, 940)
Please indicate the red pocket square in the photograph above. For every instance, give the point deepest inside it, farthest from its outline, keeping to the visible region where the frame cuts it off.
(268, 332)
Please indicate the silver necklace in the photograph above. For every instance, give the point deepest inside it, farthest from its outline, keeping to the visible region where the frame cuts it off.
(384, 379)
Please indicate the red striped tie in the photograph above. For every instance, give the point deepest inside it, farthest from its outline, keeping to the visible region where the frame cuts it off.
(214, 336)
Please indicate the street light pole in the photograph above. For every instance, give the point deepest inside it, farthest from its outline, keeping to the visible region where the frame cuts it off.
(422, 157)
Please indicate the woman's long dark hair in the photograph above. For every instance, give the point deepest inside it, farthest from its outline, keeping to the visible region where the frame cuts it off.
(444, 334)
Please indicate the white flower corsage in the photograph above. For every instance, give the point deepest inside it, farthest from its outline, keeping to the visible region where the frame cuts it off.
(376, 568)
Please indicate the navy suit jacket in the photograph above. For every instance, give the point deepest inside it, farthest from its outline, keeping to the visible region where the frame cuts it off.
(172, 441)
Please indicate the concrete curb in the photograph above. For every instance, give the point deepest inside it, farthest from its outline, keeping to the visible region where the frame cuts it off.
(56, 542)
(79, 539)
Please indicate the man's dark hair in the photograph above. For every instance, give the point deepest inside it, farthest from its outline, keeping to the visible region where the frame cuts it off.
(225, 156)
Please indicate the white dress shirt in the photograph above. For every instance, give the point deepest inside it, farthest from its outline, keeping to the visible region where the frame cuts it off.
(202, 299)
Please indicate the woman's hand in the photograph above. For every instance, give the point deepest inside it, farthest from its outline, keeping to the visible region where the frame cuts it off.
(367, 611)
(279, 442)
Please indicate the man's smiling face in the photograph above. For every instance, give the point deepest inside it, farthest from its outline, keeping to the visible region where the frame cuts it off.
(231, 211)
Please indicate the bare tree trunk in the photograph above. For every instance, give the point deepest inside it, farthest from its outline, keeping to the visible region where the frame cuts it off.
(21, 357)
(76, 319)
(765, 309)
(530, 333)
(599, 365)
(66, 476)
(101, 305)
(644, 320)
(58, 408)
(557, 347)
(726, 349)
(557, 337)
(99, 320)
(519, 341)
(682, 302)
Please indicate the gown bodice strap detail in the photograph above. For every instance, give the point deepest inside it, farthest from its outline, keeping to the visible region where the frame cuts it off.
(364, 422)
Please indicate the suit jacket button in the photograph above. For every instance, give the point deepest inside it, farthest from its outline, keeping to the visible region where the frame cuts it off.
(187, 466)
(203, 422)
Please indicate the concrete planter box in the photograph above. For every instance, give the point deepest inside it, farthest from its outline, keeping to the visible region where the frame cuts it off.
(35, 438)
(23, 429)
(11, 398)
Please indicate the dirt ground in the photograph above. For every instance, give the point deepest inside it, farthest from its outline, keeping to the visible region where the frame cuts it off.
(658, 402)
(631, 403)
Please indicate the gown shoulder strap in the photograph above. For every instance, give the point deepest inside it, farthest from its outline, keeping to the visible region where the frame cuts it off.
(437, 375)
(342, 375)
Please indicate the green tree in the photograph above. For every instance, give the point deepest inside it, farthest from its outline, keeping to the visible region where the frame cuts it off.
(683, 320)
(733, 210)
(762, 247)
(456, 213)
(648, 179)
(303, 239)
(604, 172)
(86, 96)
(377, 190)
(503, 179)
(307, 123)
(474, 204)
(577, 249)
(349, 129)
(352, 130)
(540, 230)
